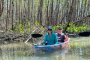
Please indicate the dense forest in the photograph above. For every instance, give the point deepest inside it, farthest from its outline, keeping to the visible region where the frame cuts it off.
(27, 15)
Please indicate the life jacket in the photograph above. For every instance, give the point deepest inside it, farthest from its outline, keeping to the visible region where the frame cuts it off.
(60, 37)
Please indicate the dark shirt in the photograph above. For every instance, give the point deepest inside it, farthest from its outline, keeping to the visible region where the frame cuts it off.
(60, 37)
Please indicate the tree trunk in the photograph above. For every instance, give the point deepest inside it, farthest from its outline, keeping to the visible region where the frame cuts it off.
(19, 11)
(47, 15)
(69, 17)
(39, 17)
(28, 10)
(1, 7)
(12, 12)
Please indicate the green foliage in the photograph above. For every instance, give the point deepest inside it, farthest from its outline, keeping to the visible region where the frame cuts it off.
(64, 0)
(36, 23)
(33, 28)
(73, 28)
(23, 28)
(0, 12)
(29, 30)
(68, 9)
(42, 28)
(20, 28)
(56, 27)
(6, 31)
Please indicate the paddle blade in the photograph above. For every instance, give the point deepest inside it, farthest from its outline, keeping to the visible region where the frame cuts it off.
(36, 35)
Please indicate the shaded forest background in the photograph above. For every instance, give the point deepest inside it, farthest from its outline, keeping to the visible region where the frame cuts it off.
(29, 15)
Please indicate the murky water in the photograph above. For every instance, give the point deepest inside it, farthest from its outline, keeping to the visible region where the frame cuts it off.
(77, 49)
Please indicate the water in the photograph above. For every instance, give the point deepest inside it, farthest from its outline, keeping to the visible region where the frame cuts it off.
(77, 49)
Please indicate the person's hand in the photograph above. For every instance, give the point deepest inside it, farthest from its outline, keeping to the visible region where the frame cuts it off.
(41, 43)
(67, 34)
(66, 37)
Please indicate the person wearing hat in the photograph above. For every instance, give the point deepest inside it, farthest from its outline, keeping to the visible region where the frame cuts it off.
(60, 36)
(50, 37)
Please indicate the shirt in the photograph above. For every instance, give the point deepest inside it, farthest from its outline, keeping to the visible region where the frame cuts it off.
(60, 37)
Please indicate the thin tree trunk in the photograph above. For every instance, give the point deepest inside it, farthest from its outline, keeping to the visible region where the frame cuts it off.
(56, 14)
(47, 15)
(41, 6)
(74, 13)
(12, 12)
(51, 12)
(81, 9)
(16, 9)
(7, 17)
(28, 9)
(24, 13)
(21, 14)
(32, 11)
(84, 8)
(77, 10)
(19, 11)
(10, 7)
(1, 7)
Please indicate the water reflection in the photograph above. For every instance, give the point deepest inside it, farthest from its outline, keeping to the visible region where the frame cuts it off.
(14, 53)
(55, 55)
(68, 52)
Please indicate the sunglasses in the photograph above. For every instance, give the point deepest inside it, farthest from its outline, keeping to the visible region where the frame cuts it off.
(49, 29)
(59, 29)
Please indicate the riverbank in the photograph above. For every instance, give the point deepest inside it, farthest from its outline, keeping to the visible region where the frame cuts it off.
(16, 41)
(7, 38)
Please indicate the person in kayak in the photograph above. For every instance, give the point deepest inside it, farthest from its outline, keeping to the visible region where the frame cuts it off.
(60, 36)
(50, 37)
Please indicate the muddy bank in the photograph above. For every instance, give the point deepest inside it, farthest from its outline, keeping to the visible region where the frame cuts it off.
(7, 38)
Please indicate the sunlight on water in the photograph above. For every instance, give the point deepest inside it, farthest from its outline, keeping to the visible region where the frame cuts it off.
(77, 49)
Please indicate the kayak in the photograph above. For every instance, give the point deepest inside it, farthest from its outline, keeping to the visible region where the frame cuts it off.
(38, 48)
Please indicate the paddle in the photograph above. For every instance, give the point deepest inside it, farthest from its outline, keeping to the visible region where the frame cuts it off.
(36, 35)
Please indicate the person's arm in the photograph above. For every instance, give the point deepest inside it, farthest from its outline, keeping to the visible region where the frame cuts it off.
(56, 39)
(66, 38)
(45, 39)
